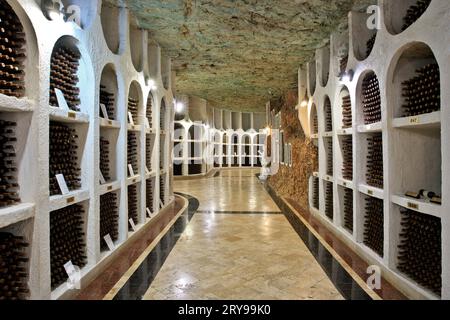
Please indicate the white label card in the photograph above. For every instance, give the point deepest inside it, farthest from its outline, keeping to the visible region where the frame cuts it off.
(102, 178)
(161, 204)
(104, 111)
(109, 242)
(62, 103)
(62, 184)
(149, 213)
(130, 118)
(130, 170)
(133, 226)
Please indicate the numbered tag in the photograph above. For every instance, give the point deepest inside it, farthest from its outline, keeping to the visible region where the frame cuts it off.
(74, 274)
(62, 103)
(104, 111)
(130, 170)
(133, 226)
(414, 120)
(149, 213)
(62, 184)
(109, 242)
(130, 118)
(102, 178)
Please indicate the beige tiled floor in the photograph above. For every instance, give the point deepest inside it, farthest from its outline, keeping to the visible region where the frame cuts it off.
(233, 190)
(239, 256)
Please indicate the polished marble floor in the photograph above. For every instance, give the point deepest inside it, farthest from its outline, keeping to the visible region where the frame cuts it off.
(238, 246)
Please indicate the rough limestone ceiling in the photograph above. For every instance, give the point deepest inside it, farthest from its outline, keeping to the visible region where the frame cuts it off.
(239, 54)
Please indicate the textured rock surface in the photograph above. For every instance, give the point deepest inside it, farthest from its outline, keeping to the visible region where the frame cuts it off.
(293, 182)
(239, 54)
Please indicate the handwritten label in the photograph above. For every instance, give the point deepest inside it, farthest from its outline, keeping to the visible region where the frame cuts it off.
(133, 226)
(104, 111)
(130, 170)
(109, 242)
(102, 178)
(414, 206)
(62, 184)
(130, 118)
(62, 103)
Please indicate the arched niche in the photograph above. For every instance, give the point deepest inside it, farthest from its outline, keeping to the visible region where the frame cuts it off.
(368, 103)
(413, 68)
(135, 101)
(111, 18)
(363, 38)
(327, 115)
(136, 46)
(179, 131)
(27, 55)
(166, 72)
(246, 139)
(323, 65)
(311, 69)
(71, 72)
(108, 92)
(340, 52)
(345, 109)
(398, 15)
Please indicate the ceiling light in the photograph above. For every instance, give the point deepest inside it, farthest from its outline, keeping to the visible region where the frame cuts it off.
(179, 107)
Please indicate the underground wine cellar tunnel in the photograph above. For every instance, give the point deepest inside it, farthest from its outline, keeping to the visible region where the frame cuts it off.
(224, 150)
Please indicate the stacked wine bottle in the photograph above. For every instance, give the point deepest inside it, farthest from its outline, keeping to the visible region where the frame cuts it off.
(63, 157)
(422, 93)
(371, 99)
(370, 44)
(63, 76)
(329, 151)
(107, 99)
(347, 121)
(374, 225)
(148, 151)
(347, 157)
(149, 112)
(109, 217)
(343, 63)
(9, 188)
(415, 12)
(67, 242)
(374, 175)
(329, 200)
(419, 254)
(315, 127)
(149, 195)
(132, 154)
(316, 193)
(133, 109)
(13, 267)
(12, 52)
(162, 120)
(348, 209)
(104, 159)
(133, 204)
(328, 116)
(162, 190)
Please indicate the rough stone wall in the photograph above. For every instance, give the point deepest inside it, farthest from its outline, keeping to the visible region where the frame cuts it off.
(293, 182)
